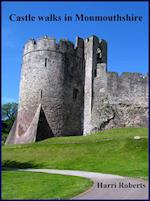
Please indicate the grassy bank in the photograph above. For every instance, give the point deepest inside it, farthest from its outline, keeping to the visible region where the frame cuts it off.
(114, 151)
(28, 185)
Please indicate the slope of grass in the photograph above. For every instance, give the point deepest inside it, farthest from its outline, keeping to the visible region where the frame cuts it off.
(28, 185)
(114, 151)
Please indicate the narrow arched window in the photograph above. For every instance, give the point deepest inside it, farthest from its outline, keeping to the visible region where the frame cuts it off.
(75, 94)
(45, 62)
(41, 94)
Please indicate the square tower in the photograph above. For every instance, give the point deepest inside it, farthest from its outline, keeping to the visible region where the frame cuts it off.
(95, 55)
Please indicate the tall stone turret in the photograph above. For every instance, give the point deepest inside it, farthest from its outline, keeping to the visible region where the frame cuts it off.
(95, 55)
(51, 91)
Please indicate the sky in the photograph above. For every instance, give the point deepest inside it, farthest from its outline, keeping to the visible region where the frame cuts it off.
(127, 41)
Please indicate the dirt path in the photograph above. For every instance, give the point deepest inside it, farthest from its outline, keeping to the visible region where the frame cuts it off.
(106, 186)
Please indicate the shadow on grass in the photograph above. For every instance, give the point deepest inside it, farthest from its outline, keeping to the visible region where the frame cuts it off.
(8, 164)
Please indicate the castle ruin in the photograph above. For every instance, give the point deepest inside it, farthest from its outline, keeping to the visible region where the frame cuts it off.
(66, 90)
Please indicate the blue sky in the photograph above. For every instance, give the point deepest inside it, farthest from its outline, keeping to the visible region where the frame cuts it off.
(127, 41)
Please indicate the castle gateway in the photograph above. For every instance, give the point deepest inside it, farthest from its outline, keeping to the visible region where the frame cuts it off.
(65, 90)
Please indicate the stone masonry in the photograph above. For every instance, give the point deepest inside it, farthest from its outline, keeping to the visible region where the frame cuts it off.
(65, 90)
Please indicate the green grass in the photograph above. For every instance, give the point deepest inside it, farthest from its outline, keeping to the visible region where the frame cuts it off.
(114, 151)
(28, 185)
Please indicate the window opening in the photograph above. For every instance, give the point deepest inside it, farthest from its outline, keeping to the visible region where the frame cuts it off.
(95, 72)
(75, 94)
(45, 62)
(41, 94)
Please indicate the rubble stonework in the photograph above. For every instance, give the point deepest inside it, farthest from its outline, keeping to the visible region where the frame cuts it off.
(65, 90)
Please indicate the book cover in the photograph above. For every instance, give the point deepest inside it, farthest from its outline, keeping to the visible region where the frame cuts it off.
(75, 100)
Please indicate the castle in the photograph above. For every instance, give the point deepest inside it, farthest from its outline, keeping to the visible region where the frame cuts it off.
(65, 90)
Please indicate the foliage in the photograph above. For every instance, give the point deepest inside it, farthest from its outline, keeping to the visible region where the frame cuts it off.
(6, 126)
(28, 185)
(9, 111)
(4, 137)
(114, 151)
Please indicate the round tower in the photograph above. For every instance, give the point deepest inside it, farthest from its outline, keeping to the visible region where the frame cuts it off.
(43, 81)
(46, 90)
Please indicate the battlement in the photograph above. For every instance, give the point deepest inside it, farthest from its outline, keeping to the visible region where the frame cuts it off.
(128, 75)
(127, 87)
(91, 39)
(47, 43)
(95, 38)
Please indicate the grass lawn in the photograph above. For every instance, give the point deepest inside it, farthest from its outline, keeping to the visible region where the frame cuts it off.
(114, 151)
(28, 185)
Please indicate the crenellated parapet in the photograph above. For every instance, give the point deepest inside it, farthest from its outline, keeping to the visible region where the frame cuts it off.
(126, 76)
(127, 87)
(49, 44)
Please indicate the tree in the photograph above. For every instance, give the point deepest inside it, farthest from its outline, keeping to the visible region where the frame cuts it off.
(9, 111)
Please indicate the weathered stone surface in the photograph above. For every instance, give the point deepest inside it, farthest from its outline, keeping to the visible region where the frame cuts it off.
(121, 101)
(115, 101)
(75, 93)
(37, 130)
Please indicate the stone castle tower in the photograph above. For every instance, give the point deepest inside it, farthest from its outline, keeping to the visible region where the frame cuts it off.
(66, 90)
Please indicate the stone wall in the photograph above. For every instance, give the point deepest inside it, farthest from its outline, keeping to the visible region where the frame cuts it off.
(119, 101)
(73, 90)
